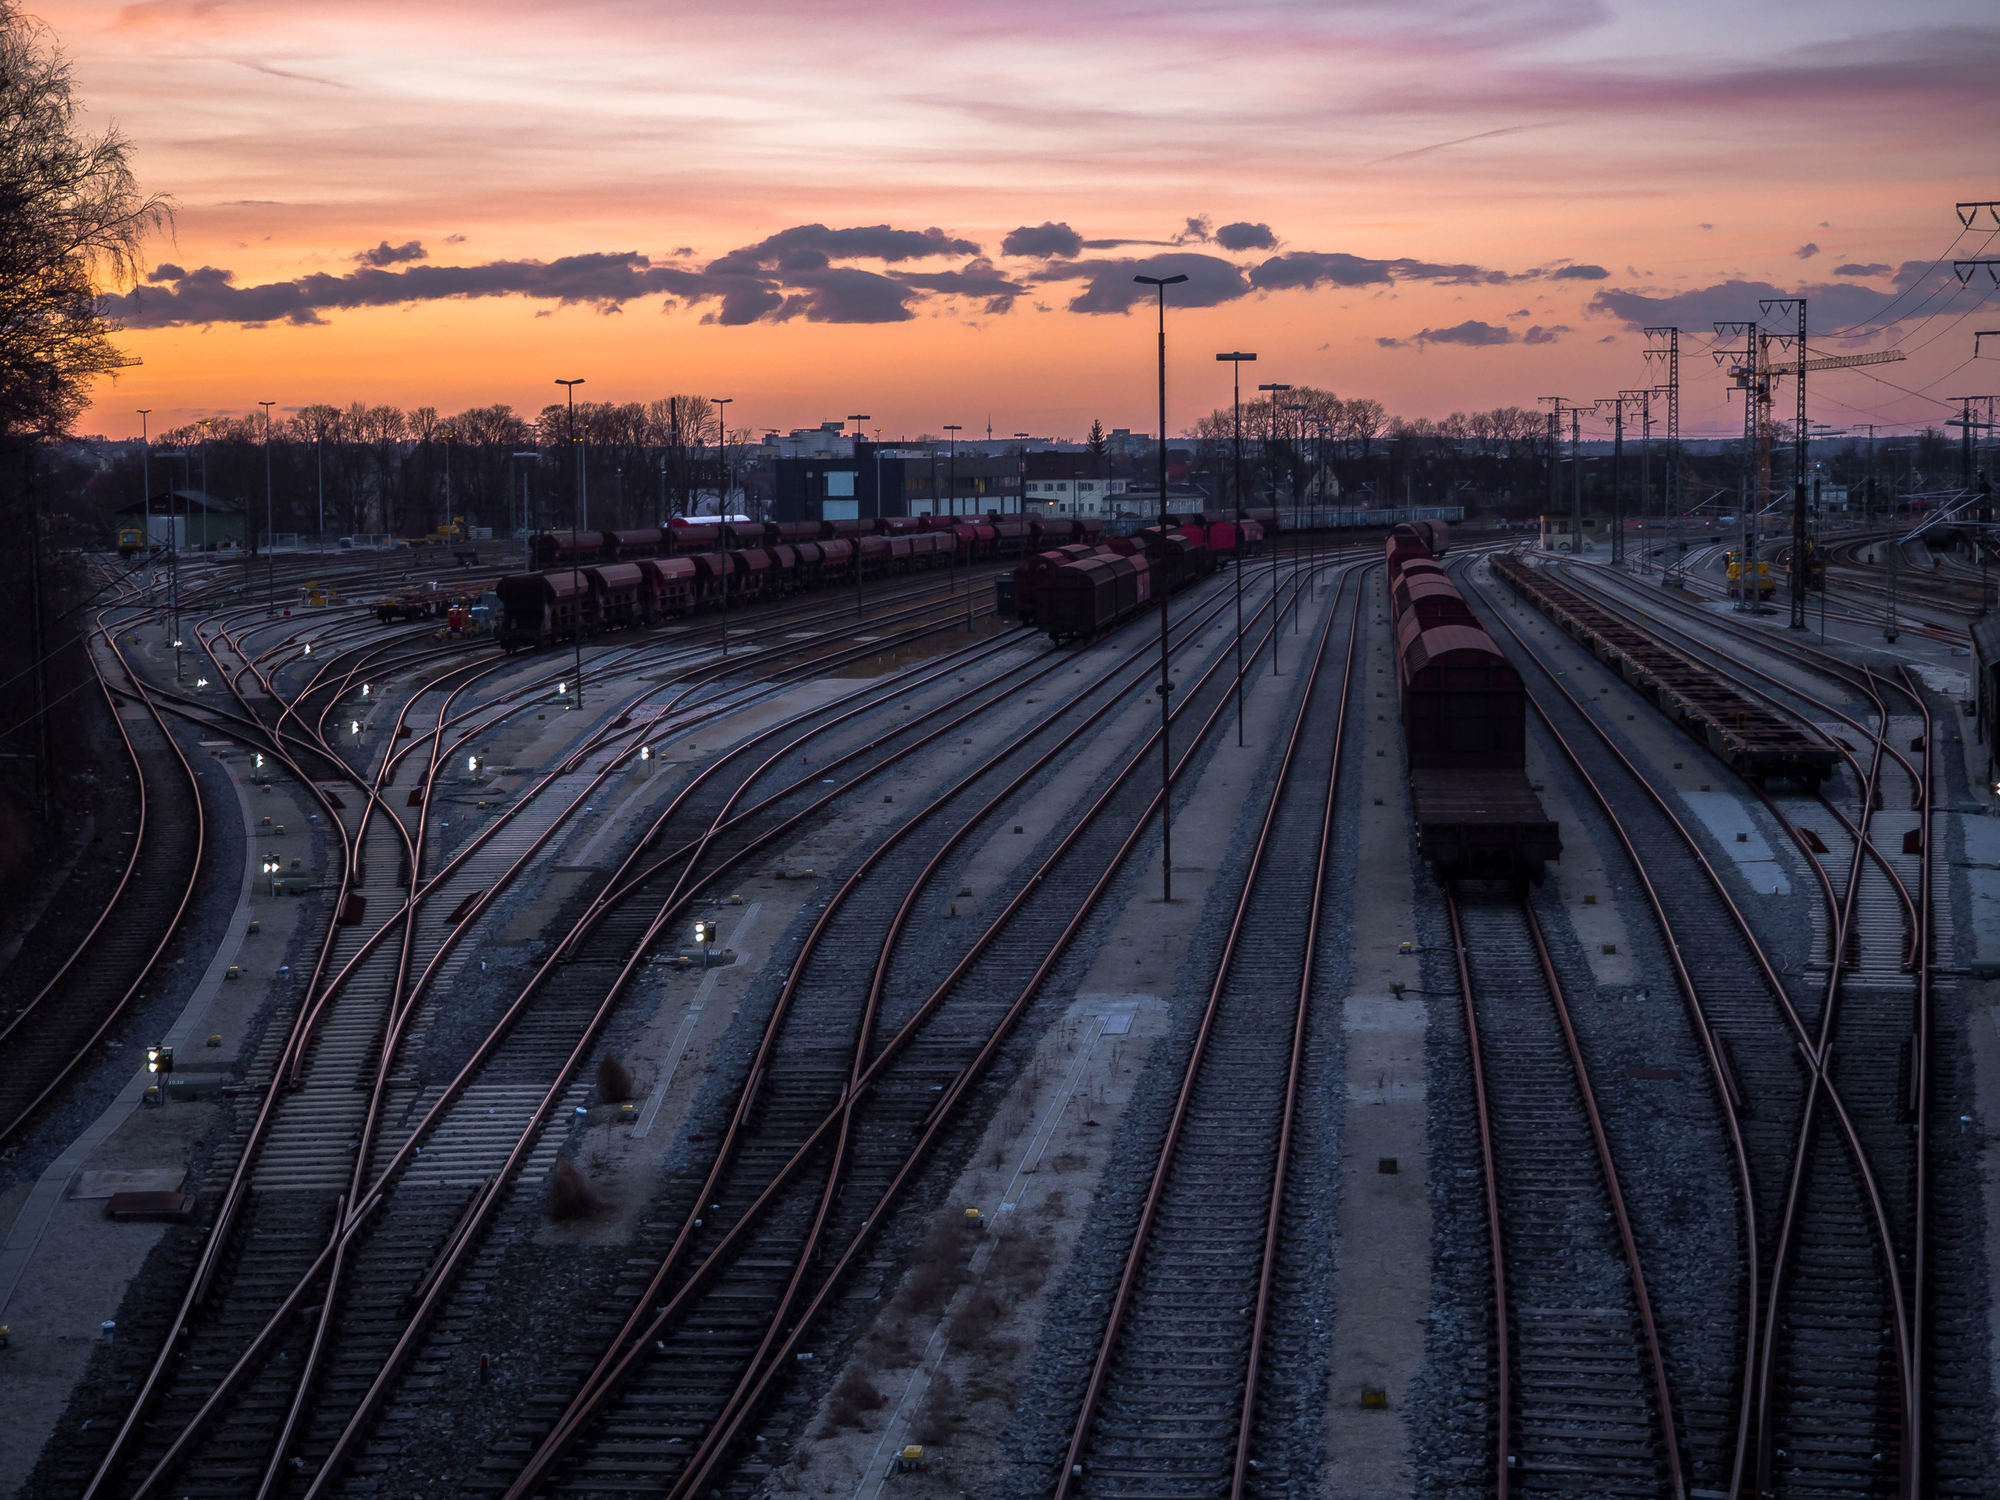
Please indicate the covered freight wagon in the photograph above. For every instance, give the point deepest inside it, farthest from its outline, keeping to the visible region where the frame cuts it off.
(1080, 599)
(539, 608)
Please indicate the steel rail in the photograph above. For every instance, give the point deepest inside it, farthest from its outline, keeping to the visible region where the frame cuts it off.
(1135, 1253)
(1614, 1192)
(1302, 1011)
(716, 1443)
(1820, 663)
(1913, 1458)
(368, 1204)
(400, 1009)
(81, 1055)
(1814, 1062)
(1720, 1079)
(1788, 1223)
(374, 1199)
(629, 1344)
(1489, 1176)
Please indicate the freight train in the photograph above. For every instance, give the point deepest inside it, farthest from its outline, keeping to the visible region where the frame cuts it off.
(1464, 712)
(1079, 597)
(589, 581)
(974, 537)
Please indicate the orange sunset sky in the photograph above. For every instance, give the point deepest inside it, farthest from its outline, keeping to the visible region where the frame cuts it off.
(932, 213)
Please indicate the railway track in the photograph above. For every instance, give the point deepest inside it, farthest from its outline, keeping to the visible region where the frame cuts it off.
(303, 1156)
(1178, 1398)
(832, 1128)
(1582, 1402)
(1878, 1020)
(1830, 1372)
(53, 1022)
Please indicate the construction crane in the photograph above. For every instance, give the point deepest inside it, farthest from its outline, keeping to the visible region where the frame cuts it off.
(1830, 362)
(1757, 376)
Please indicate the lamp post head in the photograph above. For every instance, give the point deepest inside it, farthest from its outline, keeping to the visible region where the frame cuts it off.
(1236, 357)
(1159, 280)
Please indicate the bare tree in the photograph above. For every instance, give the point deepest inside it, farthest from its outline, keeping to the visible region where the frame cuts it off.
(71, 217)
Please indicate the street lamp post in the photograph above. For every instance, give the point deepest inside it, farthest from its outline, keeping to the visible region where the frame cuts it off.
(1236, 359)
(1270, 449)
(527, 524)
(951, 508)
(857, 418)
(205, 425)
(575, 519)
(1298, 543)
(146, 508)
(270, 559)
(721, 504)
(1160, 284)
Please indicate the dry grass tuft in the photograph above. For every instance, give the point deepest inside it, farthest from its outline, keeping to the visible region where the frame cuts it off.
(570, 1196)
(614, 1080)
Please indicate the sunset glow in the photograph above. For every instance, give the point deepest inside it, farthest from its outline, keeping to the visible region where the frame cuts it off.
(1441, 206)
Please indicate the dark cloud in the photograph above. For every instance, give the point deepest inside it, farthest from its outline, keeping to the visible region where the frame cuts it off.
(1520, 312)
(1855, 268)
(386, 254)
(1389, 343)
(1806, 251)
(1195, 230)
(847, 294)
(746, 302)
(794, 274)
(1120, 244)
(1302, 270)
(1246, 237)
(1043, 241)
(454, 239)
(1471, 332)
(1211, 281)
(789, 275)
(1579, 273)
(1550, 335)
(210, 294)
(979, 278)
(812, 247)
(1833, 304)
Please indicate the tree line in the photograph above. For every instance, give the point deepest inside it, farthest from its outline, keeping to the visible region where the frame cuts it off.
(377, 468)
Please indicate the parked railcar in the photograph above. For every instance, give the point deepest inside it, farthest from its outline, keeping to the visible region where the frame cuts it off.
(873, 555)
(1033, 574)
(643, 541)
(1084, 598)
(539, 609)
(673, 580)
(836, 565)
(688, 539)
(620, 595)
(1011, 537)
(554, 549)
(1464, 714)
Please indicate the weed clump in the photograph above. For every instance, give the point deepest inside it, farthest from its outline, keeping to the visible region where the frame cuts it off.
(570, 1196)
(614, 1080)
